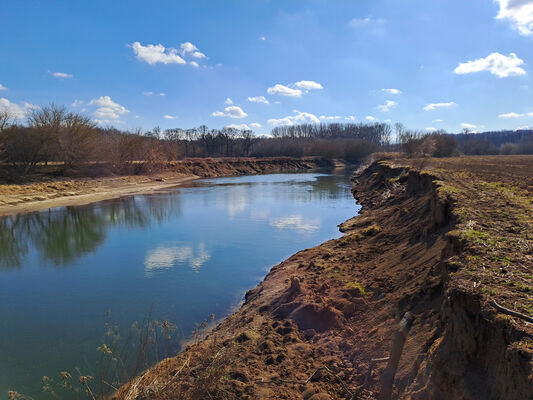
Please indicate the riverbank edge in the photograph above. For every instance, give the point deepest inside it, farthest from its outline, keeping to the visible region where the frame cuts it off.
(60, 192)
(400, 254)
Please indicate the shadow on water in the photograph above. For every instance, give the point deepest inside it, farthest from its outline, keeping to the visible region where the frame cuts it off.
(61, 236)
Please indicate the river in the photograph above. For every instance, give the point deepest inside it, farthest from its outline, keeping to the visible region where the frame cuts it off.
(180, 255)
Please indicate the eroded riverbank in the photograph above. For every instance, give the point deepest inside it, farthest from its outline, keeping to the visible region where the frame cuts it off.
(444, 243)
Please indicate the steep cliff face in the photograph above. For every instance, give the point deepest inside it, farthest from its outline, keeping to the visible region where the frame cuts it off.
(426, 242)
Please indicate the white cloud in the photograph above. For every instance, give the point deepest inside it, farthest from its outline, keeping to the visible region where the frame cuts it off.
(231, 111)
(430, 129)
(437, 120)
(242, 127)
(308, 85)
(256, 125)
(154, 54)
(299, 118)
(2, 87)
(77, 103)
(468, 126)
(166, 116)
(350, 118)
(107, 108)
(519, 12)
(14, 109)
(162, 94)
(60, 74)
(510, 115)
(370, 118)
(389, 104)
(497, 64)
(391, 91)
(284, 91)
(194, 64)
(262, 38)
(29, 106)
(330, 118)
(198, 54)
(258, 99)
(228, 101)
(148, 93)
(188, 47)
(434, 106)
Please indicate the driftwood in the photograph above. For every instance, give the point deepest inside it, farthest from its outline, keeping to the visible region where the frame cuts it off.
(387, 378)
(513, 313)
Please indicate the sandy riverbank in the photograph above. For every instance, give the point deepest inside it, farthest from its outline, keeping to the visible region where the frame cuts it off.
(61, 191)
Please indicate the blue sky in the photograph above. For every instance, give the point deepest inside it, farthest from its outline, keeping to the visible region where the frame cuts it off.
(428, 64)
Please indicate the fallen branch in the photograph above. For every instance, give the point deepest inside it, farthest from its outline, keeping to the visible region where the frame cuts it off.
(513, 313)
(387, 379)
(373, 361)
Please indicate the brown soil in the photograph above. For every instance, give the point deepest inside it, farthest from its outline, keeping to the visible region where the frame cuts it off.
(47, 192)
(440, 238)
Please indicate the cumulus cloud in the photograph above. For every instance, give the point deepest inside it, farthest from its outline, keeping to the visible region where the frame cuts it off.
(515, 115)
(510, 115)
(148, 93)
(60, 74)
(391, 91)
(430, 129)
(256, 125)
(434, 106)
(166, 116)
(16, 110)
(468, 126)
(389, 104)
(162, 94)
(77, 103)
(299, 118)
(258, 99)
(370, 118)
(284, 91)
(241, 127)
(194, 64)
(155, 54)
(228, 101)
(519, 13)
(107, 109)
(497, 64)
(350, 118)
(330, 118)
(308, 85)
(231, 111)
(2, 87)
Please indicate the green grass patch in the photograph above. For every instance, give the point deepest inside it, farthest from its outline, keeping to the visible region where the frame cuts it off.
(358, 286)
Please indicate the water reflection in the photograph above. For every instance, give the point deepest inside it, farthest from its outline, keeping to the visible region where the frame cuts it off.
(61, 236)
(296, 222)
(167, 257)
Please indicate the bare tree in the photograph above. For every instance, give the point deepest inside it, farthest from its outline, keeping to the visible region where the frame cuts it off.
(6, 118)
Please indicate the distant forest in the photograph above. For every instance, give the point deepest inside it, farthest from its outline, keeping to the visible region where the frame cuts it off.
(73, 143)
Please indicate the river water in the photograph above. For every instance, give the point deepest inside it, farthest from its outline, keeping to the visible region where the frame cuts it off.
(178, 255)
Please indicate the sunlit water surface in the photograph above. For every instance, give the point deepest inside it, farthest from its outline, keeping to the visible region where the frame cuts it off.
(184, 253)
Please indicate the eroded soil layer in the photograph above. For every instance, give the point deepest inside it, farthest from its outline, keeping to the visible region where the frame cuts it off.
(443, 239)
